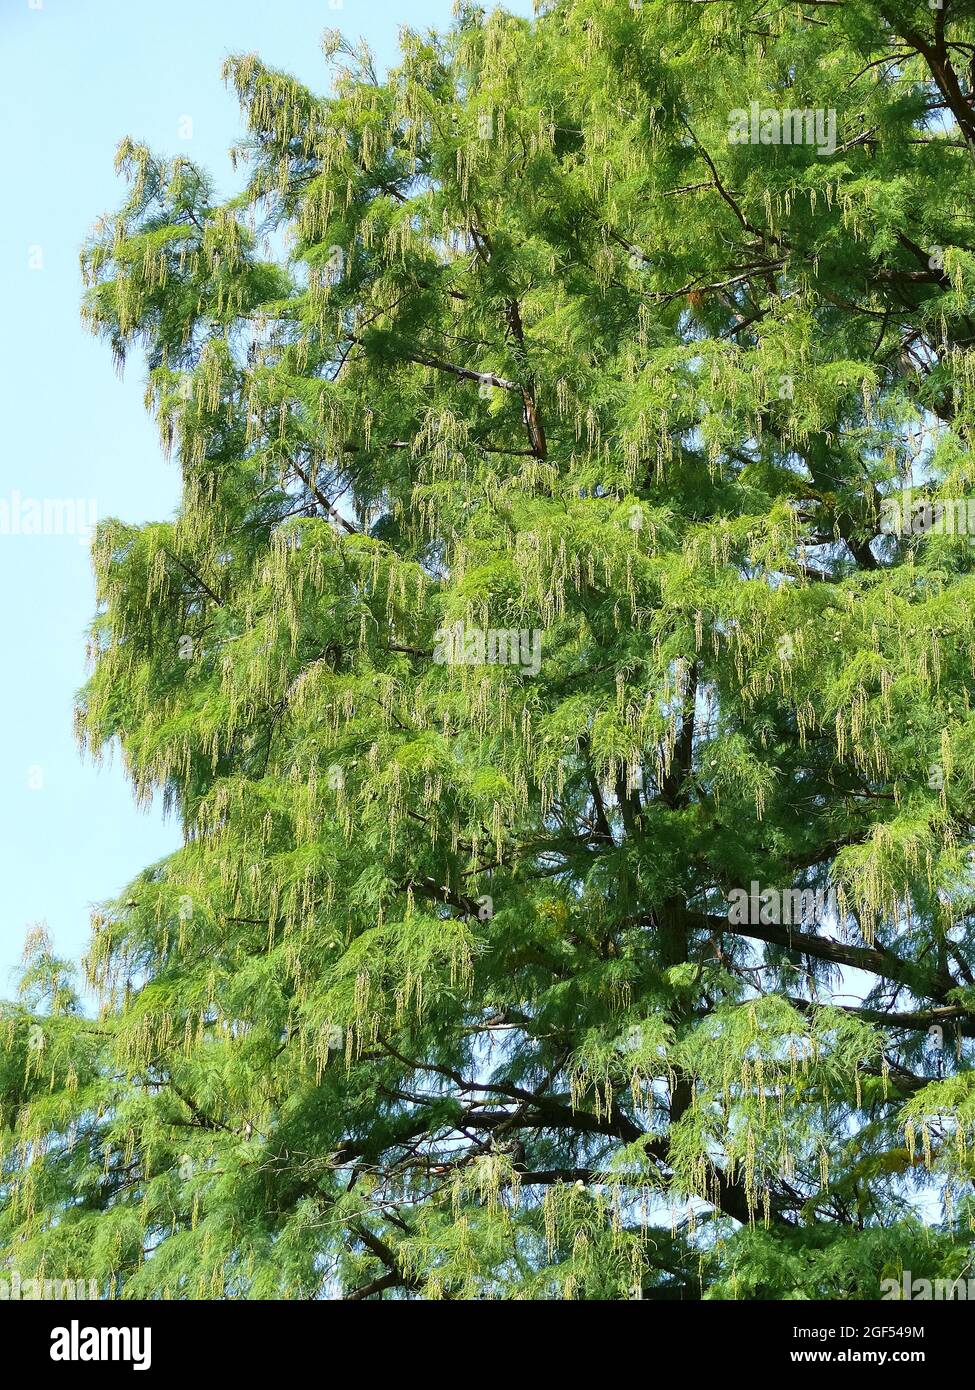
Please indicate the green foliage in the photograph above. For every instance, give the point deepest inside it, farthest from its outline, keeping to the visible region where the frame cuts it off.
(441, 996)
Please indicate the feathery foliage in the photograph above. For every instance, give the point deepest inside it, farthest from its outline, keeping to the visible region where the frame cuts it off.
(442, 994)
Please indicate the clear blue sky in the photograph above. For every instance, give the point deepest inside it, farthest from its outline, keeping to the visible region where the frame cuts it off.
(75, 76)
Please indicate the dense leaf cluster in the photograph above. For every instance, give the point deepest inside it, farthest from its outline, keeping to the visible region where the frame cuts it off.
(441, 995)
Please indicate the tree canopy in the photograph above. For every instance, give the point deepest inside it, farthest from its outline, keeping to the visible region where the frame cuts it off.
(530, 595)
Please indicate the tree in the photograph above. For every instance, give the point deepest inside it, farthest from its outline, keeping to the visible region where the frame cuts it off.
(565, 699)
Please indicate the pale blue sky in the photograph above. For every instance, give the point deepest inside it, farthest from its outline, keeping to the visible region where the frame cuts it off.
(75, 76)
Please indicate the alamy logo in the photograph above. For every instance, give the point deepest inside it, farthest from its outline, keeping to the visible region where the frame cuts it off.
(926, 1290)
(770, 126)
(475, 646)
(77, 1343)
(51, 516)
(16, 1288)
(901, 515)
(788, 907)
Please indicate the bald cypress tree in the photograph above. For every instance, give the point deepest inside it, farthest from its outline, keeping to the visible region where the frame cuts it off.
(561, 668)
